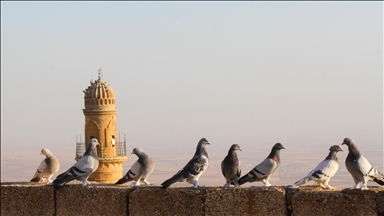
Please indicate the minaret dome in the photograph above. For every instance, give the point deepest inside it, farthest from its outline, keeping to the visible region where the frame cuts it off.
(99, 95)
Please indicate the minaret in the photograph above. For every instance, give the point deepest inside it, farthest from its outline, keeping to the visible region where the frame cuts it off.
(100, 123)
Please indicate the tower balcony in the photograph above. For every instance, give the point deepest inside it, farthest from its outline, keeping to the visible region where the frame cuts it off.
(120, 150)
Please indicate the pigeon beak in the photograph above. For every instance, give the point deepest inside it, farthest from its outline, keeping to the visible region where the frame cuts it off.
(41, 153)
(240, 149)
(132, 152)
(282, 147)
(208, 143)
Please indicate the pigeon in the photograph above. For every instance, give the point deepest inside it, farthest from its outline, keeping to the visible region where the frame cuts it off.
(359, 167)
(324, 171)
(230, 167)
(193, 169)
(48, 167)
(265, 169)
(140, 170)
(82, 169)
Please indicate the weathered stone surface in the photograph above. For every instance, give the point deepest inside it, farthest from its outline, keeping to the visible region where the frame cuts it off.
(108, 199)
(172, 201)
(334, 202)
(245, 201)
(26, 199)
(380, 202)
(97, 199)
(290, 192)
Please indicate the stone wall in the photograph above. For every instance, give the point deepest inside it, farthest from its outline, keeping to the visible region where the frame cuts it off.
(107, 199)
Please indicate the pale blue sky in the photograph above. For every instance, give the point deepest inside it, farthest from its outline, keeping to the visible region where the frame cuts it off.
(253, 73)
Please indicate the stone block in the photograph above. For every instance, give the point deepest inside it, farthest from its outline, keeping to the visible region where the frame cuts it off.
(172, 201)
(334, 202)
(380, 202)
(27, 199)
(97, 199)
(245, 201)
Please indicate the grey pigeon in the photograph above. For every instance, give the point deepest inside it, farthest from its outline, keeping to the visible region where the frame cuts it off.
(359, 167)
(230, 167)
(194, 168)
(324, 171)
(263, 171)
(82, 169)
(140, 170)
(48, 167)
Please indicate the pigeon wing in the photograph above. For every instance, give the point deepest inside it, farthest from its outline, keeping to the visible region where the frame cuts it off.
(325, 169)
(136, 171)
(133, 173)
(239, 169)
(196, 165)
(148, 168)
(265, 168)
(363, 165)
(223, 167)
(42, 167)
(84, 167)
(230, 169)
(80, 171)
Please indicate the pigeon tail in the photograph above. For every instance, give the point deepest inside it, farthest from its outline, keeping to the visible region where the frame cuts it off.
(35, 179)
(379, 181)
(177, 177)
(301, 181)
(244, 179)
(124, 179)
(59, 182)
(378, 178)
(55, 187)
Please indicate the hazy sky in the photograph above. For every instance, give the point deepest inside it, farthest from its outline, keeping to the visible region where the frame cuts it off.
(253, 73)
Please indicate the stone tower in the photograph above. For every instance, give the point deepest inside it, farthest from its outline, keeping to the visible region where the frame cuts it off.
(100, 123)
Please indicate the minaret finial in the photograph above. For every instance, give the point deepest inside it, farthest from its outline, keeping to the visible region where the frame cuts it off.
(99, 73)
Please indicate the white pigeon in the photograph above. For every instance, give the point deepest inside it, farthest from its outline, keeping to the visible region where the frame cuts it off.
(360, 168)
(324, 171)
(193, 169)
(140, 170)
(48, 167)
(263, 171)
(231, 167)
(82, 169)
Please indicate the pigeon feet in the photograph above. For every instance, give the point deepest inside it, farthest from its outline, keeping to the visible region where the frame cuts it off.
(326, 186)
(42, 180)
(357, 186)
(226, 185)
(86, 183)
(293, 186)
(135, 184)
(146, 182)
(267, 184)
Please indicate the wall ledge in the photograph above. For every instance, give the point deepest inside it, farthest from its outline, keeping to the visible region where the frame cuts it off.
(25, 198)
